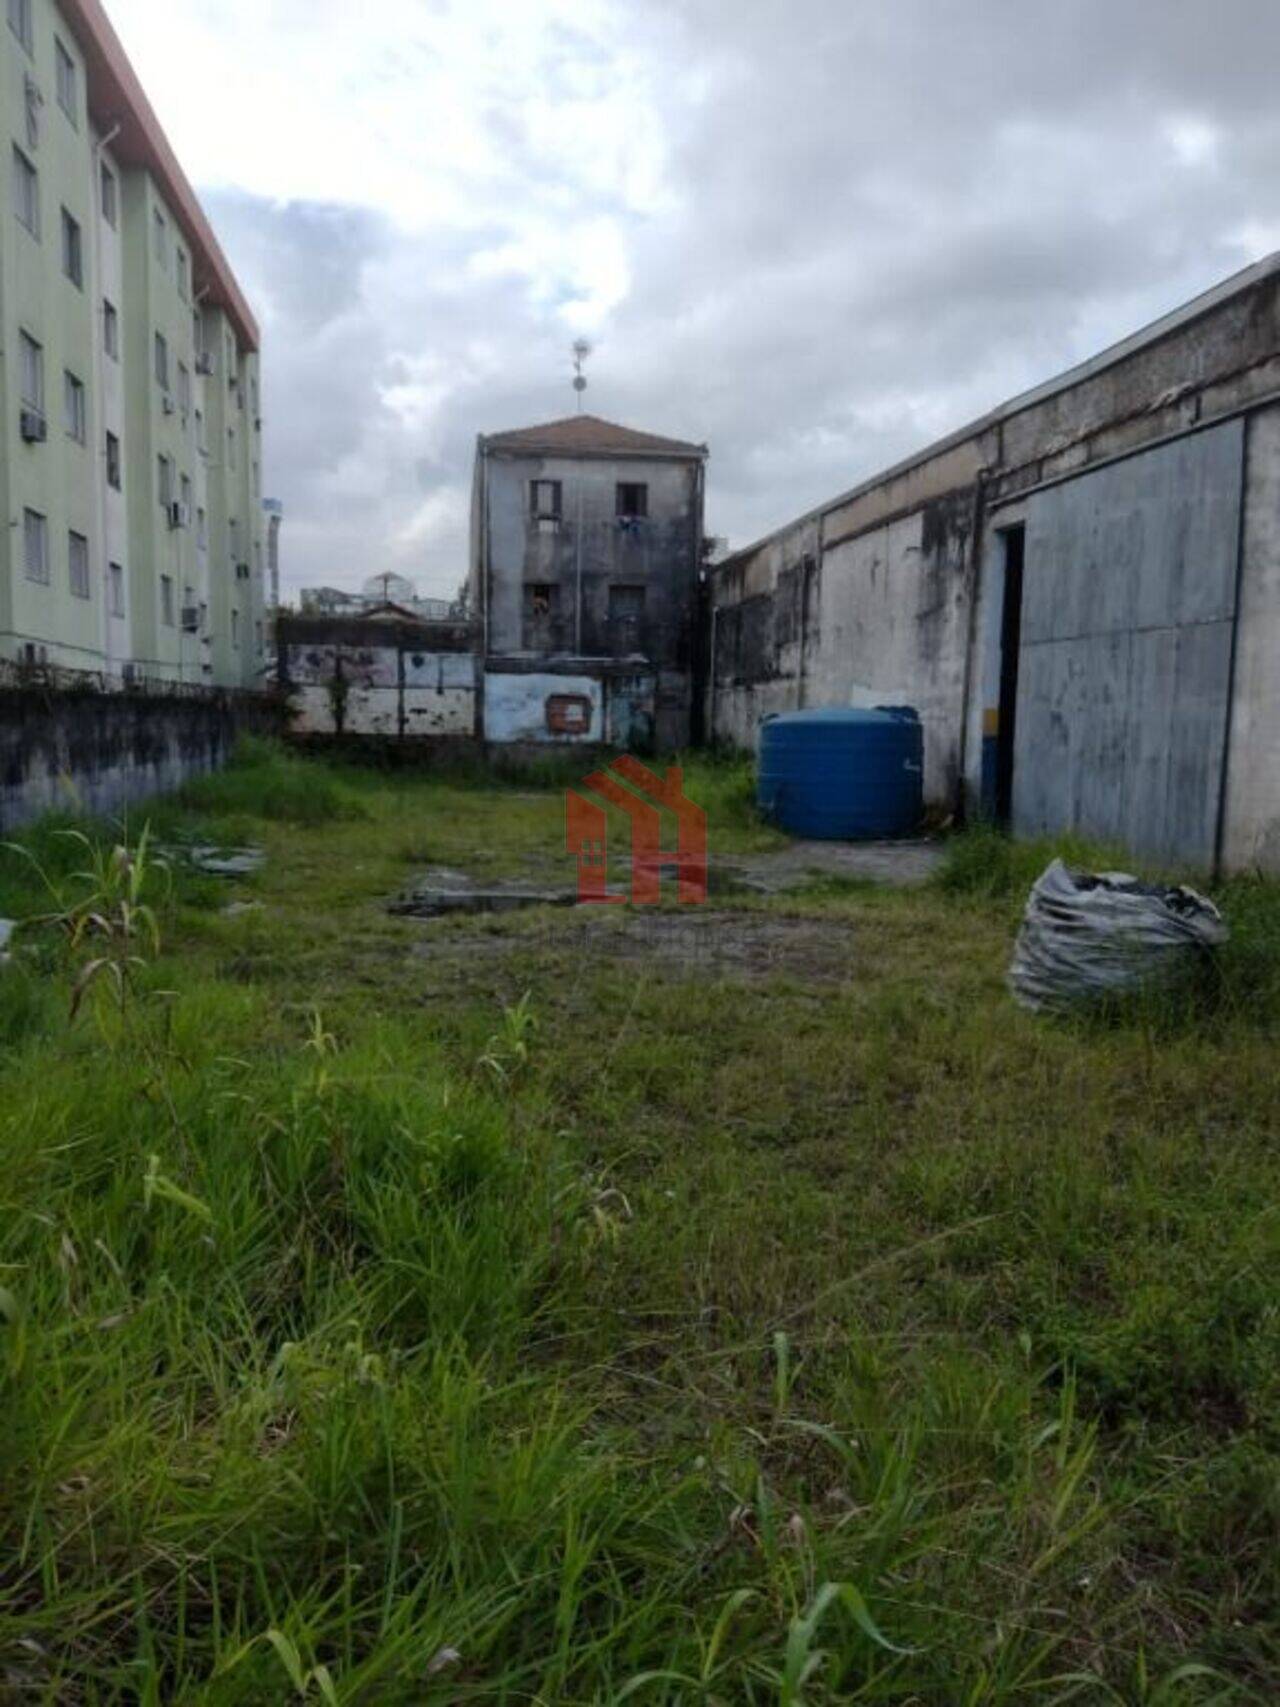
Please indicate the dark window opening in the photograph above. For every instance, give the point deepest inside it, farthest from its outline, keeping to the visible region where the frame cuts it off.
(633, 501)
(1015, 540)
(540, 611)
(545, 500)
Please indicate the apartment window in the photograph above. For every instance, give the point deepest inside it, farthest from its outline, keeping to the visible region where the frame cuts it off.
(257, 479)
(183, 273)
(26, 192)
(110, 330)
(72, 250)
(253, 397)
(202, 530)
(235, 626)
(545, 498)
(20, 22)
(166, 600)
(74, 413)
(184, 391)
(164, 473)
(66, 81)
(35, 533)
(160, 239)
(231, 447)
(113, 461)
(633, 500)
(115, 589)
(186, 493)
(32, 374)
(78, 564)
(233, 535)
(110, 197)
(162, 361)
(200, 444)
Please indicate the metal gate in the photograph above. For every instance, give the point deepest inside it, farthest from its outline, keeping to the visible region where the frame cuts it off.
(1124, 671)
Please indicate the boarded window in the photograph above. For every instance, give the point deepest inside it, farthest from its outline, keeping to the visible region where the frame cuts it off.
(626, 617)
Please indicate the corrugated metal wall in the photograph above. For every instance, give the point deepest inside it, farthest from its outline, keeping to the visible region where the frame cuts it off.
(1125, 663)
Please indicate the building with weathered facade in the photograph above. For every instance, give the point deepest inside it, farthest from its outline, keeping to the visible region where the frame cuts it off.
(130, 462)
(586, 554)
(1080, 594)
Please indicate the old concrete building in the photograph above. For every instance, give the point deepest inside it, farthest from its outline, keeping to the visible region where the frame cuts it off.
(1080, 593)
(586, 551)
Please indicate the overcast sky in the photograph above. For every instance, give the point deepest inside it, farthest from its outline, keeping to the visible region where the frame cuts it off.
(813, 233)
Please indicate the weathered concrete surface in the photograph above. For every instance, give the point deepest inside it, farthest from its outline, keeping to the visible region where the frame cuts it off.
(75, 749)
(1252, 828)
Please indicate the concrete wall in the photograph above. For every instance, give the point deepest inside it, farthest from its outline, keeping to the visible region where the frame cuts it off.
(394, 680)
(893, 592)
(72, 749)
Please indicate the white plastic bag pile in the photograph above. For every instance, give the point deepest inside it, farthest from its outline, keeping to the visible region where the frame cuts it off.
(1089, 935)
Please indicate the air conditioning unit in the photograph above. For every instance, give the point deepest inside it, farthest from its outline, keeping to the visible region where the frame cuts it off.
(34, 427)
(168, 404)
(204, 363)
(190, 619)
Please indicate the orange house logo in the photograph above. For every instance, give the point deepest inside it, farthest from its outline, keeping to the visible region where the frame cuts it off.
(587, 834)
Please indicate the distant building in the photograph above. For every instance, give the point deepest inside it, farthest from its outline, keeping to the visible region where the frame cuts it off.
(586, 552)
(378, 592)
(132, 453)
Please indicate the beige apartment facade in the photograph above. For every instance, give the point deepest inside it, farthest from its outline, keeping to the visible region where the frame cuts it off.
(131, 456)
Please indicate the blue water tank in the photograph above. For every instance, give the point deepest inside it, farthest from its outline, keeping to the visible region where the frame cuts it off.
(843, 775)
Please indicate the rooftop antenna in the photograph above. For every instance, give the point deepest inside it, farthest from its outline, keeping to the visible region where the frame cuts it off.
(581, 350)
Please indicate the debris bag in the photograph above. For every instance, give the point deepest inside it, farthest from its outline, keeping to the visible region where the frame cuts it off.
(1089, 935)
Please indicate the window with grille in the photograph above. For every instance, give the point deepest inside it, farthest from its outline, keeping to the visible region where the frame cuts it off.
(110, 196)
(65, 73)
(78, 564)
(72, 250)
(32, 373)
(35, 534)
(20, 22)
(26, 192)
(75, 413)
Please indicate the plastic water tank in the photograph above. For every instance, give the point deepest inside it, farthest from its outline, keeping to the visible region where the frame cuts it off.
(843, 775)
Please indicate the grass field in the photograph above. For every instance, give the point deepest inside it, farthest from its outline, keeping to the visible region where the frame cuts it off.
(531, 1309)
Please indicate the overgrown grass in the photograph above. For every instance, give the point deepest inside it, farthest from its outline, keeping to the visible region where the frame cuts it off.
(404, 1314)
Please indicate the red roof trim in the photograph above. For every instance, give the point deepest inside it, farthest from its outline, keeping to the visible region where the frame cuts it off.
(117, 97)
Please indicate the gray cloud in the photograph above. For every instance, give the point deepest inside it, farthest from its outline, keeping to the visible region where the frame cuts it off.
(877, 220)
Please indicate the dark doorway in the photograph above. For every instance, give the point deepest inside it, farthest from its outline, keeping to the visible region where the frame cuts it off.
(1015, 541)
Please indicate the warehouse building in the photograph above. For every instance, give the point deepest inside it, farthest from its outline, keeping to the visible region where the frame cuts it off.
(131, 457)
(1079, 593)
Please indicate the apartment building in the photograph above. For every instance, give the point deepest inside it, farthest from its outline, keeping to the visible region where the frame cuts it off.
(130, 462)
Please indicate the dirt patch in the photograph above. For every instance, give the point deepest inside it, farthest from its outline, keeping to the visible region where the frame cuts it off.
(701, 943)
